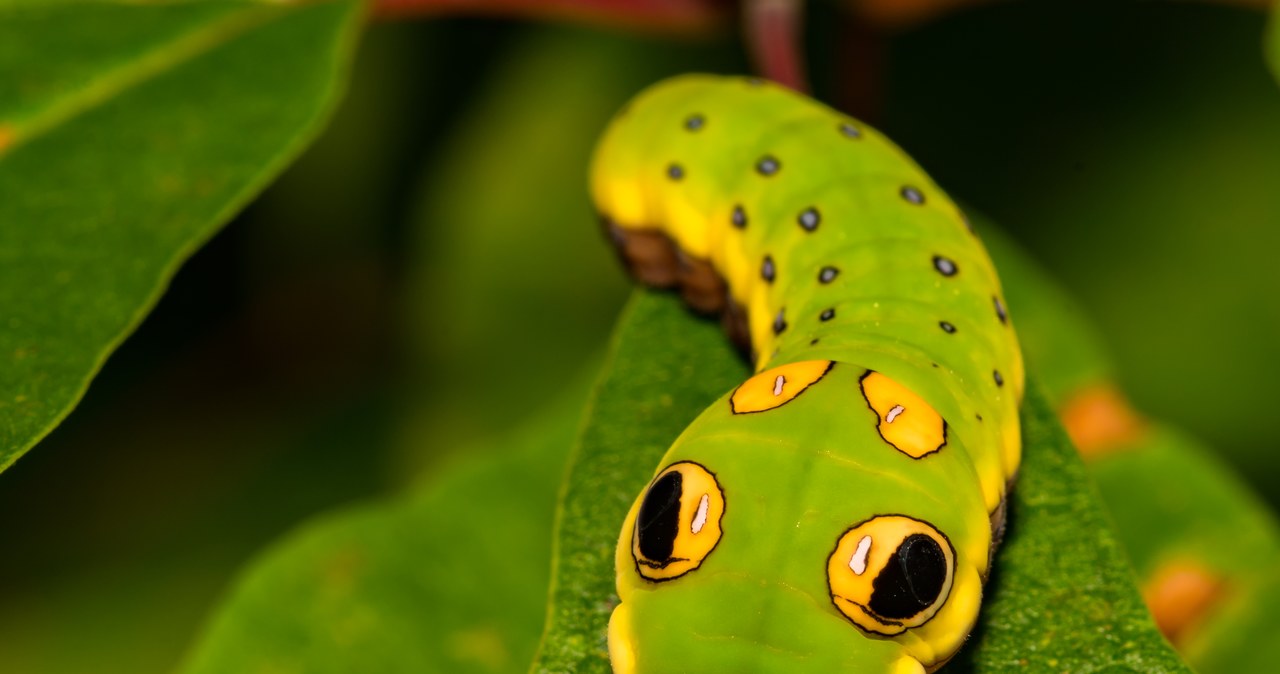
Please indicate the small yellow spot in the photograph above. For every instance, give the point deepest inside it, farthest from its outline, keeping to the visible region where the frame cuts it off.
(481, 645)
(621, 653)
(1178, 594)
(774, 388)
(908, 665)
(1100, 420)
(907, 422)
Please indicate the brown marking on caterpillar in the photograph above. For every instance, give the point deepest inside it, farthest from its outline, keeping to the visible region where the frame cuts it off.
(647, 254)
(700, 285)
(6, 137)
(999, 518)
(653, 258)
(1100, 420)
(734, 322)
(1179, 594)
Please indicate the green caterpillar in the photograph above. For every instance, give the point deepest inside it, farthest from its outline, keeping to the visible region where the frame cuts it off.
(838, 510)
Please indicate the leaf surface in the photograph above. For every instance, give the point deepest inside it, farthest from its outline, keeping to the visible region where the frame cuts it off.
(450, 577)
(128, 135)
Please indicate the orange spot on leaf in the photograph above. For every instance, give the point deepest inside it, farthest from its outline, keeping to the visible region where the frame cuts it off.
(1179, 594)
(6, 138)
(1099, 420)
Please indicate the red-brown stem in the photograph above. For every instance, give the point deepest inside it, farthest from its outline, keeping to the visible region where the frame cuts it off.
(679, 16)
(773, 31)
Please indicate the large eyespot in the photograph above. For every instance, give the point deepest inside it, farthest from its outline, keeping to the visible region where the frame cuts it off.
(678, 523)
(890, 573)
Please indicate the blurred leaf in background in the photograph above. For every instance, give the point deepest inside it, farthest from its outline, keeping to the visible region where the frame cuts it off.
(449, 578)
(513, 282)
(127, 137)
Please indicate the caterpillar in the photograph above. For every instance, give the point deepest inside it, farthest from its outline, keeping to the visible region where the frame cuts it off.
(838, 510)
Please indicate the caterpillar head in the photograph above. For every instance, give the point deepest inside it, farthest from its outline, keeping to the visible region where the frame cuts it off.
(800, 525)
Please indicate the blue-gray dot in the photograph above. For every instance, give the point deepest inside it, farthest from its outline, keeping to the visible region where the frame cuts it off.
(767, 270)
(694, 122)
(809, 219)
(828, 274)
(944, 266)
(739, 217)
(675, 172)
(850, 131)
(768, 165)
(912, 195)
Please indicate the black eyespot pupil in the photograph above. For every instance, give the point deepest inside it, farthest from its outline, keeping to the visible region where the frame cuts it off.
(911, 580)
(658, 522)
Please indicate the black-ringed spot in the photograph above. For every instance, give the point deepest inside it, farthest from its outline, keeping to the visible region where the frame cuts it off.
(890, 573)
(767, 269)
(809, 219)
(768, 165)
(912, 195)
(677, 521)
(945, 266)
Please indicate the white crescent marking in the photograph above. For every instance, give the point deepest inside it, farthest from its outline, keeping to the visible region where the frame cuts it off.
(859, 560)
(777, 385)
(893, 413)
(700, 519)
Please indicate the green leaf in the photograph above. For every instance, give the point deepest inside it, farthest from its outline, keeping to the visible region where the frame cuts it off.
(128, 135)
(1062, 597)
(1057, 338)
(449, 578)
(1212, 520)
(1273, 41)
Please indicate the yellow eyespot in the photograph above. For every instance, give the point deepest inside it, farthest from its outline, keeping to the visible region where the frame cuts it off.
(907, 422)
(776, 387)
(678, 523)
(890, 573)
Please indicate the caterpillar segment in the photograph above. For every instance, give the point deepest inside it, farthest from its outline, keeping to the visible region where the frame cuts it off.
(837, 511)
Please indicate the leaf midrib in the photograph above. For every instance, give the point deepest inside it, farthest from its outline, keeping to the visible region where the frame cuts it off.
(130, 74)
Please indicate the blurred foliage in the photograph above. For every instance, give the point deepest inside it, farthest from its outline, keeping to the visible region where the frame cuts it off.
(508, 191)
(1173, 503)
(294, 364)
(451, 578)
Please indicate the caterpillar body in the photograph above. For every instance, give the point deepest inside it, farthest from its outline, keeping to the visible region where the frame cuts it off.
(838, 510)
